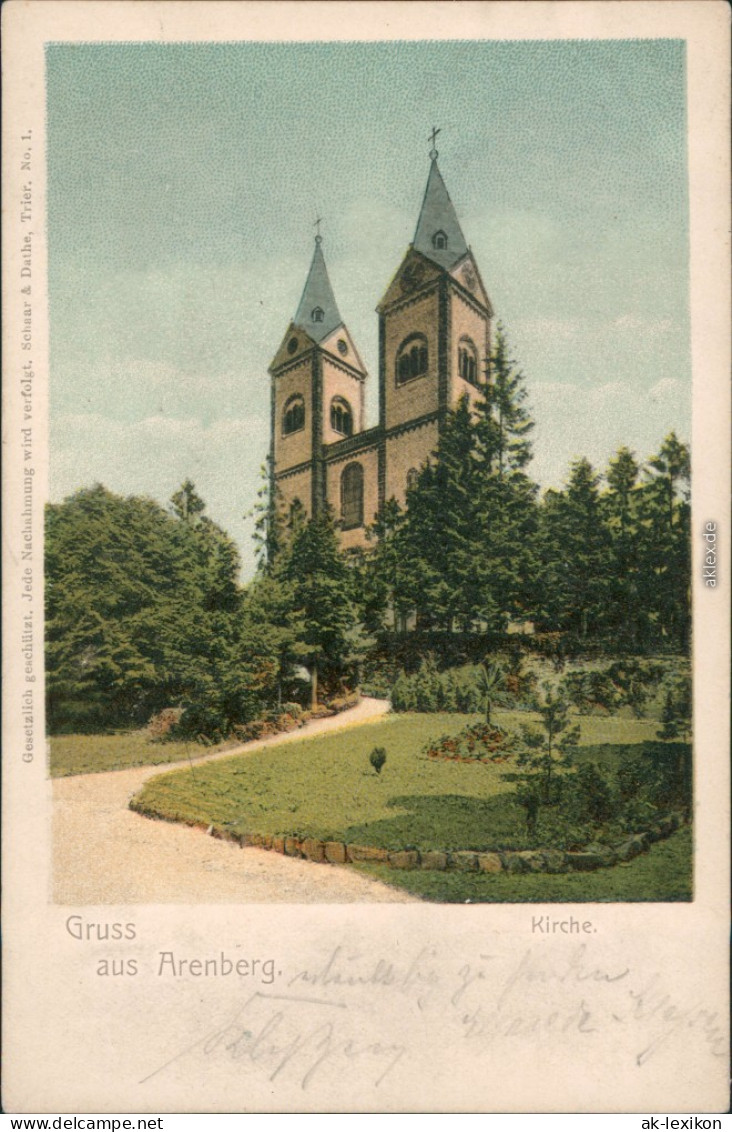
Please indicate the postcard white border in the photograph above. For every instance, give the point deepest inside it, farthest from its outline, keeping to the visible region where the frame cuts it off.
(73, 1045)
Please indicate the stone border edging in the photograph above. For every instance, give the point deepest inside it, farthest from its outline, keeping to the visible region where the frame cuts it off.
(592, 857)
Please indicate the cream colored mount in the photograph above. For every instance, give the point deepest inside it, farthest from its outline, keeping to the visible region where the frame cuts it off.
(434, 339)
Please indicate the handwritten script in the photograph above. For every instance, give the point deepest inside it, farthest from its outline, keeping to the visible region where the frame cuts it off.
(352, 1012)
(281, 1034)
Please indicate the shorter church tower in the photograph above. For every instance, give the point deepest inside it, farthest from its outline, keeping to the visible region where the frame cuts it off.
(317, 393)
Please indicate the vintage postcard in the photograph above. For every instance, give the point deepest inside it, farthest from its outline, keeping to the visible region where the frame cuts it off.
(366, 601)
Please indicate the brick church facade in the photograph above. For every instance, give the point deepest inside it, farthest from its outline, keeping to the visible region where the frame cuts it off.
(434, 337)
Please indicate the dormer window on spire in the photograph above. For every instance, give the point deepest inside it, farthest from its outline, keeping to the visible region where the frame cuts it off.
(439, 236)
(317, 312)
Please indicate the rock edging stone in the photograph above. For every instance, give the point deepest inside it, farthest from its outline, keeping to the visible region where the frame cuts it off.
(587, 859)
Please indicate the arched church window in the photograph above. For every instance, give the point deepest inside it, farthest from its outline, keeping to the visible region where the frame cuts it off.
(412, 479)
(341, 417)
(293, 415)
(468, 361)
(317, 315)
(439, 240)
(412, 358)
(352, 496)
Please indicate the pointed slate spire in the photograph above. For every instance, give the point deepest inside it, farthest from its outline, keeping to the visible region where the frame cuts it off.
(439, 235)
(318, 313)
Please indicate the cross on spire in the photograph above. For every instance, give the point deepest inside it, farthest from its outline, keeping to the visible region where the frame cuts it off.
(433, 138)
(318, 237)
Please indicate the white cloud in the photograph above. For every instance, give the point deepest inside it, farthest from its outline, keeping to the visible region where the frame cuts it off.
(595, 422)
(566, 330)
(154, 455)
(648, 326)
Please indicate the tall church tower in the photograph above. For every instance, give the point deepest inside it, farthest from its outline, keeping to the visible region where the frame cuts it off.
(317, 391)
(434, 338)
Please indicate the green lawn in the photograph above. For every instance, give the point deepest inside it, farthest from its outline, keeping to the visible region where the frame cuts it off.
(325, 788)
(90, 754)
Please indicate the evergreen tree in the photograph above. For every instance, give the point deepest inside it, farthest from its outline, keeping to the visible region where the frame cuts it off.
(622, 478)
(507, 424)
(491, 679)
(270, 526)
(382, 579)
(186, 504)
(670, 472)
(624, 613)
(441, 580)
(546, 751)
(322, 600)
(453, 557)
(575, 551)
(664, 535)
(273, 630)
(505, 497)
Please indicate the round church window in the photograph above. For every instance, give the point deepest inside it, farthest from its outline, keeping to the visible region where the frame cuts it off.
(342, 346)
(292, 345)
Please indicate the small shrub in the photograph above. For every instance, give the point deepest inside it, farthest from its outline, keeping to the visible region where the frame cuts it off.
(342, 703)
(676, 712)
(529, 798)
(402, 697)
(636, 815)
(587, 795)
(658, 774)
(203, 722)
(322, 711)
(591, 692)
(558, 831)
(378, 685)
(163, 723)
(377, 758)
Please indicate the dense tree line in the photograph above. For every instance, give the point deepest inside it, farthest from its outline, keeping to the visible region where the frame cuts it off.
(145, 611)
(607, 557)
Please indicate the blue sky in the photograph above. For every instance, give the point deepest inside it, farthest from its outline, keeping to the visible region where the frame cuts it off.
(183, 185)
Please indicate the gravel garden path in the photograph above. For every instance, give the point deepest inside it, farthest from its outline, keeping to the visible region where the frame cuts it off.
(104, 853)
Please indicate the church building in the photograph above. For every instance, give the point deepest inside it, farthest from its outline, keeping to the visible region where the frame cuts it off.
(434, 338)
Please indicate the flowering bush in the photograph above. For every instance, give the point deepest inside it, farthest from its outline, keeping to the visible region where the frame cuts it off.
(480, 742)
